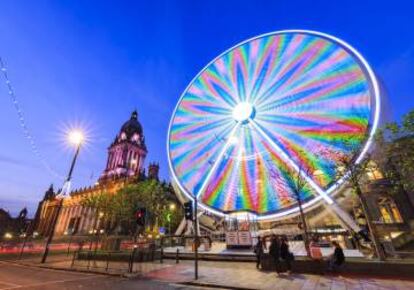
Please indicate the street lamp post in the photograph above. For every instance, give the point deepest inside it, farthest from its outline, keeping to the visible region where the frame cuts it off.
(196, 242)
(75, 137)
(172, 208)
(26, 234)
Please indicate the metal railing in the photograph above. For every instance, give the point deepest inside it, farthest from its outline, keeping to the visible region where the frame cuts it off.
(180, 241)
(119, 261)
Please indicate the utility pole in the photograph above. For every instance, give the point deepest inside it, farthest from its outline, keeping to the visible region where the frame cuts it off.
(304, 224)
(27, 232)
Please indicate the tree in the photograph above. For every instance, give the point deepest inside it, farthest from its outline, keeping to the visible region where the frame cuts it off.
(296, 179)
(151, 194)
(299, 184)
(346, 167)
(395, 153)
(103, 205)
(119, 209)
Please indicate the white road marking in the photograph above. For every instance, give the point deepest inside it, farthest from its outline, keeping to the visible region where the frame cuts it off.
(48, 282)
(9, 285)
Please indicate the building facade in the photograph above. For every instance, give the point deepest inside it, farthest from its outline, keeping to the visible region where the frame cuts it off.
(125, 164)
(13, 226)
(392, 213)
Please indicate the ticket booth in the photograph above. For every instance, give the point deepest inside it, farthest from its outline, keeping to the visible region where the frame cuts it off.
(239, 234)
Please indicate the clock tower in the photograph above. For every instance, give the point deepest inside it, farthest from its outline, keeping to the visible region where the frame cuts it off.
(126, 155)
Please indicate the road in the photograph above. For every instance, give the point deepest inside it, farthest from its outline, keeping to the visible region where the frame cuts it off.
(14, 276)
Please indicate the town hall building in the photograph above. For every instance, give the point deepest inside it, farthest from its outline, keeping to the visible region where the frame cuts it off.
(125, 164)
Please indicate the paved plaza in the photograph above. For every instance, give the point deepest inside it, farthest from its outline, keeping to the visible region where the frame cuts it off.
(245, 275)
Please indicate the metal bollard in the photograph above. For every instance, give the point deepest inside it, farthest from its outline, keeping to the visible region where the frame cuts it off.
(107, 261)
(161, 255)
(129, 263)
(177, 257)
(152, 254)
(132, 259)
(89, 259)
(73, 259)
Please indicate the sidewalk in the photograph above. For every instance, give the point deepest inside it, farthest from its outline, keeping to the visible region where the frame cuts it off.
(246, 276)
(229, 275)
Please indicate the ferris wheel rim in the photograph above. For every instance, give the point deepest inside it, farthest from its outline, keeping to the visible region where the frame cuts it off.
(331, 190)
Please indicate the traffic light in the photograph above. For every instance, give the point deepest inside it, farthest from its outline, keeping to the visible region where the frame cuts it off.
(140, 216)
(188, 210)
(364, 233)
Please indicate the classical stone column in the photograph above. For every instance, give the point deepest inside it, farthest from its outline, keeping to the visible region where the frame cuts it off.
(82, 219)
(59, 222)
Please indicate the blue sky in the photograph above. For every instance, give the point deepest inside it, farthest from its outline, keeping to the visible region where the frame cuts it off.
(93, 62)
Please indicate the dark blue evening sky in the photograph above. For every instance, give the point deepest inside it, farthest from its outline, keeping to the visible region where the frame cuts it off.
(93, 62)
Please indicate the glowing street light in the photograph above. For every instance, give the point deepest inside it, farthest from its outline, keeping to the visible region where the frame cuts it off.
(8, 236)
(172, 208)
(76, 137)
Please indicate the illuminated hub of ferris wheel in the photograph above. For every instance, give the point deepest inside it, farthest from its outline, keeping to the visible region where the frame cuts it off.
(243, 112)
(260, 112)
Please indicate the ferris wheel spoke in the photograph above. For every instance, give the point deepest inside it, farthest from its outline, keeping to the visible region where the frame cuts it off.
(292, 163)
(286, 71)
(217, 161)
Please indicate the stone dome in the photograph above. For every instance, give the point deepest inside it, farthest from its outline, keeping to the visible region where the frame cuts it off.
(132, 126)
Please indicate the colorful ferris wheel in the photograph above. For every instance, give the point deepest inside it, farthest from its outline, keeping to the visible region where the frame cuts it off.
(261, 113)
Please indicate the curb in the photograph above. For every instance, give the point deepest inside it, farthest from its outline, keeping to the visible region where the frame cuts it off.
(212, 285)
(132, 275)
(68, 269)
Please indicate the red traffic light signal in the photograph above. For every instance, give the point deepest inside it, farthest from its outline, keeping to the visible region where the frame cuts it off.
(140, 216)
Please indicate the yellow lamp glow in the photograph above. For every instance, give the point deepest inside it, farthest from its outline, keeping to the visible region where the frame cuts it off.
(76, 137)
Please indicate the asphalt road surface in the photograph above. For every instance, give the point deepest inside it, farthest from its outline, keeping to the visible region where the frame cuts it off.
(14, 276)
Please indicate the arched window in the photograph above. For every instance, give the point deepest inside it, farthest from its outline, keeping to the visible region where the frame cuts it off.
(135, 138)
(319, 177)
(373, 171)
(389, 211)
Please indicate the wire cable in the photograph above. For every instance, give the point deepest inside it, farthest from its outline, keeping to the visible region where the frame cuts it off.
(23, 124)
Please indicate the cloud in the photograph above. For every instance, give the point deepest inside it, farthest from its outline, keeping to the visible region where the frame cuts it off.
(12, 161)
(17, 162)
